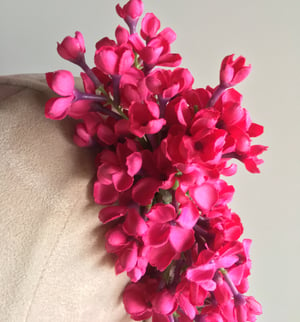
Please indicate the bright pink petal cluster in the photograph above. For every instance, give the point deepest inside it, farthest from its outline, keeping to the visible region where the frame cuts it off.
(163, 150)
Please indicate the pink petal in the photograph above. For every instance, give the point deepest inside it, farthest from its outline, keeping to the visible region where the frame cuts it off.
(106, 60)
(168, 34)
(115, 238)
(126, 60)
(187, 307)
(201, 273)
(78, 109)
(61, 82)
(227, 261)
(128, 256)
(108, 214)
(161, 213)
(150, 26)
(106, 134)
(122, 181)
(134, 299)
(82, 137)
(237, 274)
(143, 191)
(255, 130)
(157, 235)
(134, 163)
(104, 173)
(156, 317)
(205, 196)
(134, 224)
(105, 194)
(170, 60)
(189, 215)
(161, 257)
(181, 239)
(57, 107)
(164, 303)
(122, 35)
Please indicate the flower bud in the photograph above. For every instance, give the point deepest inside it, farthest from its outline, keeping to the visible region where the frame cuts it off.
(233, 71)
(132, 9)
(72, 49)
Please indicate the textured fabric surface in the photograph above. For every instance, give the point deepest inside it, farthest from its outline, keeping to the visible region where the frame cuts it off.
(53, 263)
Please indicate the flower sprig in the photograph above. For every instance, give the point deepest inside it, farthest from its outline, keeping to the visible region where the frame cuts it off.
(164, 148)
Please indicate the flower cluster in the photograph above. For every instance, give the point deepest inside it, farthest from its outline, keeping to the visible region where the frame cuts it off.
(163, 149)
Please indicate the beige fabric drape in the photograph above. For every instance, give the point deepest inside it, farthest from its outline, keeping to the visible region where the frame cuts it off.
(53, 265)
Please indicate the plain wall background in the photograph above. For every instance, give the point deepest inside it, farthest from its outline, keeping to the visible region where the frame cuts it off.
(265, 32)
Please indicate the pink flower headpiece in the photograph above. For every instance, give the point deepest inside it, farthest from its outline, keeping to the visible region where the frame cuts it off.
(164, 148)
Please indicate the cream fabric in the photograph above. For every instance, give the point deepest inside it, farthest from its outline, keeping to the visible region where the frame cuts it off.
(53, 265)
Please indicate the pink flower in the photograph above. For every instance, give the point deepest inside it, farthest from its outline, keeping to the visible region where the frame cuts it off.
(133, 88)
(116, 172)
(62, 82)
(144, 118)
(165, 236)
(72, 49)
(156, 51)
(114, 60)
(143, 300)
(169, 83)
(150, 26)
(122, 35)
(133, 9)
(131, 12)
(233, 71)
(125, 240)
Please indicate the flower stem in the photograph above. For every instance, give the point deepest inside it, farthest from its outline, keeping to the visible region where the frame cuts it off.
(97, 107)
(216, 94)
(89, 72)
(85, 96)
(239, 298)
(131, 24)
(116, 89)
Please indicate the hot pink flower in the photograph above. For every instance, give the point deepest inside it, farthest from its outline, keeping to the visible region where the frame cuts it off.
(150, 26)
(72, 49)
(144, 118)
(233, 71)
(122, 35)
(131, 12)
(169, 83)
(116, 171)
(157, 51)
(62, 82)
(202, 144)
(178, 112)
(143, 300)
(125, 241)
(133, 88)
(114, 60)
(165, 236)
(133, 9)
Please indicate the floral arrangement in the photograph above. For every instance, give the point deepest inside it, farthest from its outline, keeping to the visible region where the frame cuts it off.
(163, 149)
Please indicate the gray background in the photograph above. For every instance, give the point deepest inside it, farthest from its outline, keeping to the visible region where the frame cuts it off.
(265, 32)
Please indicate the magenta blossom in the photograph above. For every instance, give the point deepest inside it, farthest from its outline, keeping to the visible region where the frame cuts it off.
(72, 48)
(116, 172)
(62, 82)
(161, 149)
(132, 9)
(166, 237)
(131, 12)
(144, 118)
(143, 300)
(233, 71)
(114, 60)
